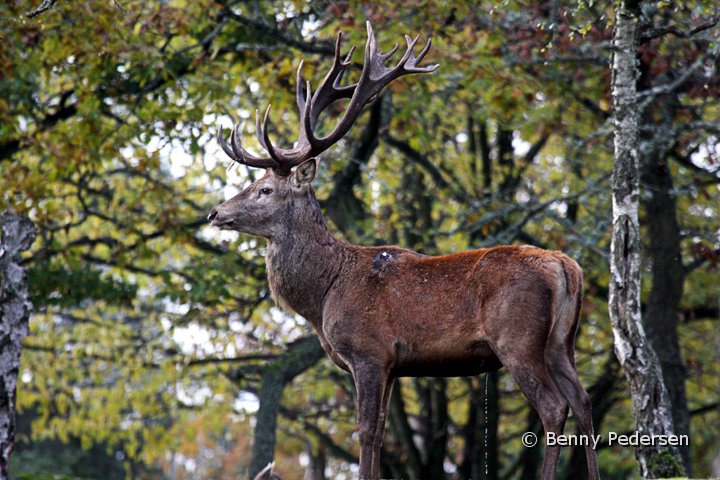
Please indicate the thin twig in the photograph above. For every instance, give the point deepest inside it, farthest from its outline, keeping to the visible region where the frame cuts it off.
(119, 6)
(674, 30)
(44, 6)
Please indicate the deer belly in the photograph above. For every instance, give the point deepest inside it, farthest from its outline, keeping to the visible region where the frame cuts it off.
(456, 361)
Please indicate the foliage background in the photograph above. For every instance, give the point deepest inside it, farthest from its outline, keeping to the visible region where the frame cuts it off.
(153, 331)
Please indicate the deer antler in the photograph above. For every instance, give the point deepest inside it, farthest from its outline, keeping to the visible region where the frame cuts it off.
(374, 77)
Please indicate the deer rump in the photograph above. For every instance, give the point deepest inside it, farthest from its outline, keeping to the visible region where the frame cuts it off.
(452, 315)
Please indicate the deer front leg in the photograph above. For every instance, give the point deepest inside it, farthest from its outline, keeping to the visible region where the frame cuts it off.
(370, 383)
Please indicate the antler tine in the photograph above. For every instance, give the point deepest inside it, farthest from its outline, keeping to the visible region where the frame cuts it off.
(338, 47)
(238, 154)
(266, 138)
(224, 145)
(305, 123)
(345, 63)
(258, 129)
(236, 144)
(308, 122)
(383, 57)
(411, 64)
(337, 70)
(411, 42)
(424, 52)
(299, 89)
(371, 44)
(349, 55)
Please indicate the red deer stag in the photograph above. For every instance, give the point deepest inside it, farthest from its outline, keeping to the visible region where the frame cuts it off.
(387, 312)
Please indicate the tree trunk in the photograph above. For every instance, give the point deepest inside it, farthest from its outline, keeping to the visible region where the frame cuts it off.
(651, 405)
(471, 450)
(668, 277)
(318, 462)
(16, 235)
(663, 249)
(436, 433)
(300, 356)
(480, 455)
(400, 425)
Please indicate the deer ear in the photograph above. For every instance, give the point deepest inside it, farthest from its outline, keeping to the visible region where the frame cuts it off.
(304, 173)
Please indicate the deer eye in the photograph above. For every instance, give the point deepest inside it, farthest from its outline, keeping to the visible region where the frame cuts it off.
(266, 191)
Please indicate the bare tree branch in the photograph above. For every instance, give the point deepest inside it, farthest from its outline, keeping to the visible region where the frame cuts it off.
(652, 33)
(44, 6)
(324, 48)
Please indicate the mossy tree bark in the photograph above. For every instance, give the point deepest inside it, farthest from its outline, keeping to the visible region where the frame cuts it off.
(651, 404)
(16, 235)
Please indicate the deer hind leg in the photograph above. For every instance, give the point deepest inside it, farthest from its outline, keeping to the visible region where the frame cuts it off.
(535, 383)
(379, 432)
(560, 363)
(370, 382)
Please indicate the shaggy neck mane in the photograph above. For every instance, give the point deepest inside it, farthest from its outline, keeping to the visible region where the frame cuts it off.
(304, 259)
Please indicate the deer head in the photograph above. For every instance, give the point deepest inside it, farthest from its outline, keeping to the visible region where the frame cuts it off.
(263, 206)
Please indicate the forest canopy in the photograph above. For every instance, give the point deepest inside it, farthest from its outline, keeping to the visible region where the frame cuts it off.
(155, 341)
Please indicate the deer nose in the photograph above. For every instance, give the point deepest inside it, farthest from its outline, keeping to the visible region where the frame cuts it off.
(212, 215)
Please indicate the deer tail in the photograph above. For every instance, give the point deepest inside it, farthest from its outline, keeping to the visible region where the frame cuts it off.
(566, 309)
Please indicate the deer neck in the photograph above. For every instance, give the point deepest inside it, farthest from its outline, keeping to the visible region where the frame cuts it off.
(304, 260)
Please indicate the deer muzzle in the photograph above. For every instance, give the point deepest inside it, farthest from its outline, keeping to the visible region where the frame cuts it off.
(216, 220)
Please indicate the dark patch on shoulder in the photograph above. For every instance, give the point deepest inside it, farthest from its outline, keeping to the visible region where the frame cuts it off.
(382, 262)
